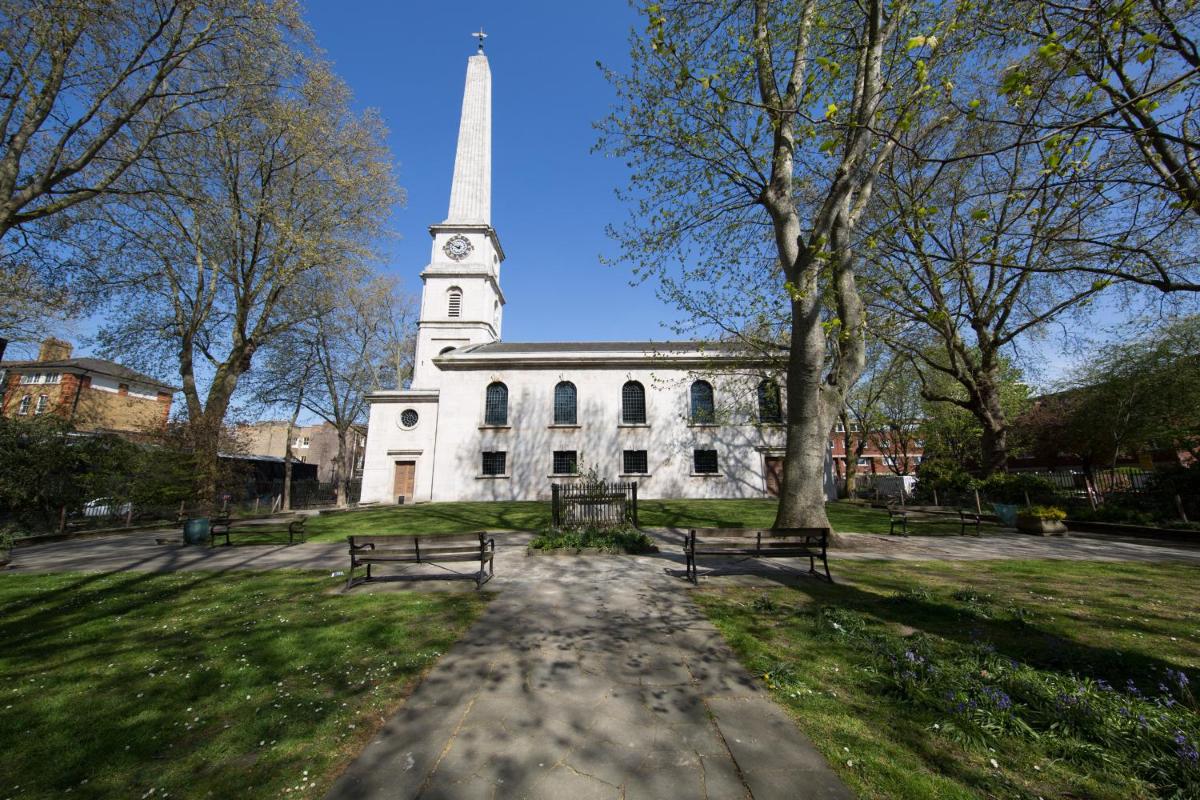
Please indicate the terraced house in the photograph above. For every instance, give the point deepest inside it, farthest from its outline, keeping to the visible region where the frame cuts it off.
(95, 395)
(488, 419)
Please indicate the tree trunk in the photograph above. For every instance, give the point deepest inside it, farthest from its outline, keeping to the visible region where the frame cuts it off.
(802, 496)
(343, 475)
(287, 458)
(994, 441)
(851, 464)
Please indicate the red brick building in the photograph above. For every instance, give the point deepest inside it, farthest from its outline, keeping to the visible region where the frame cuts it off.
(886, 452)
(93, 394)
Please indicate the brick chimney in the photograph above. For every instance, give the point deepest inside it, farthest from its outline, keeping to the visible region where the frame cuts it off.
(54, 349)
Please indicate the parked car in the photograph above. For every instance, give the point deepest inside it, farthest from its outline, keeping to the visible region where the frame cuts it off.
(106, 507)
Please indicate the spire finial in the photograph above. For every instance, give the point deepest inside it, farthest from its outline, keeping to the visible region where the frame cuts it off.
(480, 35)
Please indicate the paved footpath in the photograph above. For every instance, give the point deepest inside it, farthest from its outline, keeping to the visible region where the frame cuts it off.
(589, 678)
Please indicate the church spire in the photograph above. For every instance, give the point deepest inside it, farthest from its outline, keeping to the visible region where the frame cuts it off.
(471, 192)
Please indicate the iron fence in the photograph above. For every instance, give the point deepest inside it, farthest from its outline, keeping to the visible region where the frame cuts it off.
(601, 505)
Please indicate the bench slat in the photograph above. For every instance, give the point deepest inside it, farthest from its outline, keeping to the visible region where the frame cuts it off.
(361, 559)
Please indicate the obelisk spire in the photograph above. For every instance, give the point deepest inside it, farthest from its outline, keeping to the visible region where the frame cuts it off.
(471, 192)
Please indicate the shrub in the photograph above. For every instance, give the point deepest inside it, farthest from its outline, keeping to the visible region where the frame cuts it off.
(944, 476)
(1053, 513)
(1014, 487)
(608, 540)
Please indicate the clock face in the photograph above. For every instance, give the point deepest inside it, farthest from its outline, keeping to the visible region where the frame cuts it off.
(458, 247)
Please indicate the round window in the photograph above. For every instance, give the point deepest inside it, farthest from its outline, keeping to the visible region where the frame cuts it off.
(408, 418)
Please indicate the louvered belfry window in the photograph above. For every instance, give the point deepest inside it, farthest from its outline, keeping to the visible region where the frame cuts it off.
(633, 404)
(703, 410)
(454, 302)
(495, 411)
(564, 404)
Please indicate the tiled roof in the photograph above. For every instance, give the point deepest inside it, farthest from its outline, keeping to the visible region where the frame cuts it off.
(98, 366)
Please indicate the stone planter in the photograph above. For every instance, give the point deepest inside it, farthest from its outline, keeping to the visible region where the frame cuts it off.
(1041, 527)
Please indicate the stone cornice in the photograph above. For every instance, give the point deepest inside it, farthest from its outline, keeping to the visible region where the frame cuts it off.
(433, 272)
(597, 361)
(468, 227)
(404, 396)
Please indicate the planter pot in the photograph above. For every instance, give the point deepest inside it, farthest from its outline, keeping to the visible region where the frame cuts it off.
(1041, 527)
(196, 531)
(1006, 513)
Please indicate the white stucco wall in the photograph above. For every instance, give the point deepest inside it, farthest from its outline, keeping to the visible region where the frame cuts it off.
(450, 437)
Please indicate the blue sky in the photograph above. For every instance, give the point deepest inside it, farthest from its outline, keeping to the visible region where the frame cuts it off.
(551, 196)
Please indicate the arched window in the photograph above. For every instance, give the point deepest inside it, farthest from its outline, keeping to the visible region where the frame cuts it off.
(43, 401)
(564, 403)
(454, 302)
(633, 404)
(495, 410)
(23, 406)
(703, 409)
(770, 405)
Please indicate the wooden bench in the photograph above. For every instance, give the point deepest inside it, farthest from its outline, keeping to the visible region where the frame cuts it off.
(433, 549)
(902, 514)
(811, 543)
(223, 526)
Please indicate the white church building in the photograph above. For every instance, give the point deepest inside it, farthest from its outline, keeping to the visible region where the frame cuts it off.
(488, 419)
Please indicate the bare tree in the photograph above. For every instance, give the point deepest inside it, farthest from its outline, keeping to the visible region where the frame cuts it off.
(87, 87)
(350, 344)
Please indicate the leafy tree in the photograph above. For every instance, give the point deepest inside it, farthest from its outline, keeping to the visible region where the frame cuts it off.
(956, 257)
(285, 191)
(949, 429)
(755, 132)
(88, 89)
(1139, 394)
(1119, 78)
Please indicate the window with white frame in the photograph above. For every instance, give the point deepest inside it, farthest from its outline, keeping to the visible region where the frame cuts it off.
(495, 406)
(634, 462)
(633, 404)
(770, 403)
(566, 462)
(838, 427)
(564, 403)
(43, 402)
(302, 441)
(704, 462)
(703, 405)
(23, 406)
(494, 462)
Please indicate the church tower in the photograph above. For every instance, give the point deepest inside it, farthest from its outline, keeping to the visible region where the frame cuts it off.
(461, 302)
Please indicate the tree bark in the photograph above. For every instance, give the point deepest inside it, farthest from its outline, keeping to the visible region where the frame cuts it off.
(343, 476)
(809, 420)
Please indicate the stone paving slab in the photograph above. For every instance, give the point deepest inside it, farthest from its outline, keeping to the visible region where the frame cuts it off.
(580, 680)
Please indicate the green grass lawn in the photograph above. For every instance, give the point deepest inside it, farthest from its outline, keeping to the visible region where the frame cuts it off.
(203, 685)
(532, 515)
(985, 680)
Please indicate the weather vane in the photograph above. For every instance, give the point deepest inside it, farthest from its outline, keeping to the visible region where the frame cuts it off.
(480, 36)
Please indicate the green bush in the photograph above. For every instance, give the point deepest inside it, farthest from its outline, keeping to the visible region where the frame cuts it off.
(943, 476)
(1043, 512)
(1015, 487)
(608, 540)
